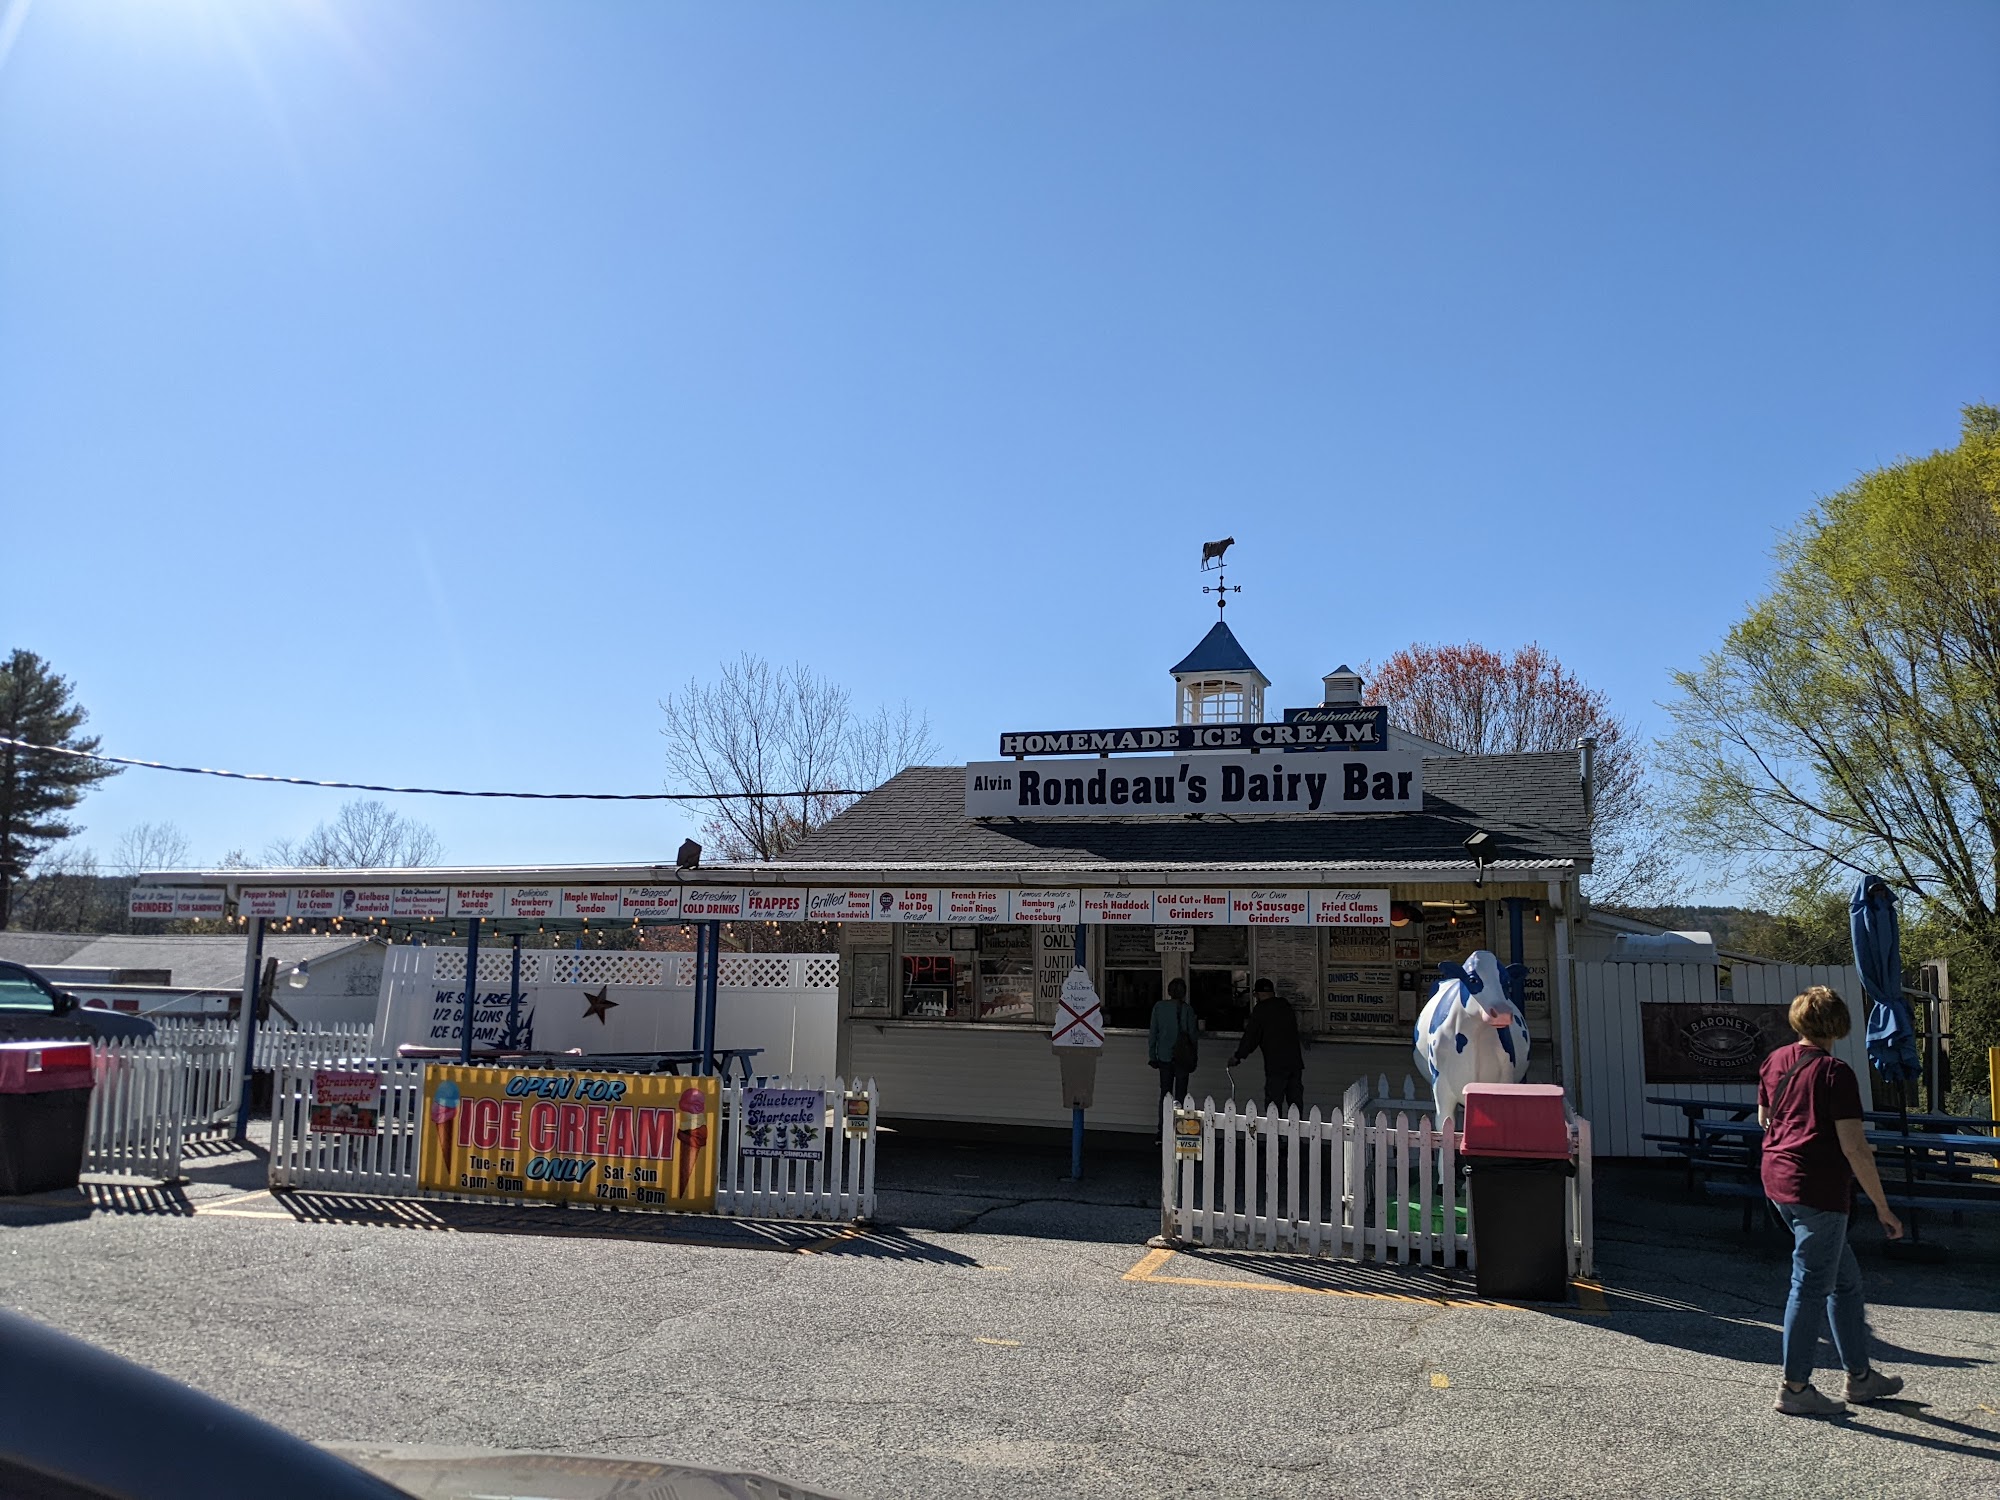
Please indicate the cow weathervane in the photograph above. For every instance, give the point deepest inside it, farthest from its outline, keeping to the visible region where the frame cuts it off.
(1211, 552)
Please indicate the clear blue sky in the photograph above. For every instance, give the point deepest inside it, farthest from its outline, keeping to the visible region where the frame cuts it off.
(416, 392)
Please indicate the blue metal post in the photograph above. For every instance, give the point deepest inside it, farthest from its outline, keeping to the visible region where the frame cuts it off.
(471, 990)
(514, 1000)
(1514, 930)
(707, 959)
(246, 1030)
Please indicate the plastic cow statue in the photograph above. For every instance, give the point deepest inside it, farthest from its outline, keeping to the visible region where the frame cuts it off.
(1472, 1031)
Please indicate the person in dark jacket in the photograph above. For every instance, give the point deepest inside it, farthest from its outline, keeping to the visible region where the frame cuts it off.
(1274, 1028)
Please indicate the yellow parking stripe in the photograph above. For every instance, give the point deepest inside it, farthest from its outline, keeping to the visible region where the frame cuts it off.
(1590, 1296)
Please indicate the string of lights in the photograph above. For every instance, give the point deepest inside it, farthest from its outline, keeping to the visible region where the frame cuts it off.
(430, 791)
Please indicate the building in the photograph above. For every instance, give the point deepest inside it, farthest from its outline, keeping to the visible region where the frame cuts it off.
(187, 974)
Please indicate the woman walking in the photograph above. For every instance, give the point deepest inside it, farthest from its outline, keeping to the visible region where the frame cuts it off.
(1809, 1103)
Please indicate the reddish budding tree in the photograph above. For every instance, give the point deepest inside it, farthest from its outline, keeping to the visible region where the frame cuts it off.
(1473, 699)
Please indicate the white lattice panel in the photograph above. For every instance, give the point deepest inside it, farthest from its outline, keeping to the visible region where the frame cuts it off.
(755, 971)
(450, 965)
(601, 968)
(822, 972)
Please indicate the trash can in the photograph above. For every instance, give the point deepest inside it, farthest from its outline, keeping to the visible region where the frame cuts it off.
(1516, 1161)
(44, 1114)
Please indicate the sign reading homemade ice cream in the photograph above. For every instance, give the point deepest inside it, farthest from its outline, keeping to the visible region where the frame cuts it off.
(1173, 786)
(621, 1140)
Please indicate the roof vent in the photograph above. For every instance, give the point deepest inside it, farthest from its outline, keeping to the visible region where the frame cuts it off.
(1343, 686)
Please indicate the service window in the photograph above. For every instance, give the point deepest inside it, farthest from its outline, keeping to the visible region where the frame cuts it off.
(1132, 981)
(938, 984)
(1219, 977)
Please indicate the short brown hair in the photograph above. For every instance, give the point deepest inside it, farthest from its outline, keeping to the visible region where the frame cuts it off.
(1819, 1015)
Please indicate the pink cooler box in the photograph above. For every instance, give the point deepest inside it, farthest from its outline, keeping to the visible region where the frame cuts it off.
(1515, 1119)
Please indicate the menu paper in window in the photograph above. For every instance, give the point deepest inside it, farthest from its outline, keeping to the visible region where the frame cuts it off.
(1191, 908)
(975, 906)
(1350, 908)
(1043, 906)
(1272, 908)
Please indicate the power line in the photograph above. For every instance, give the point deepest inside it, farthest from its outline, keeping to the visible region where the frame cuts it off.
(431, 791)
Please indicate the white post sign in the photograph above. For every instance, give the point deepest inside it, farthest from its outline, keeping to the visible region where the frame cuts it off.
(1079, 1014)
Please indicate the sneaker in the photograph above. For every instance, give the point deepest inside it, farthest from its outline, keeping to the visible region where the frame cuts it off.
(1807, 1403)
(1872, 1386)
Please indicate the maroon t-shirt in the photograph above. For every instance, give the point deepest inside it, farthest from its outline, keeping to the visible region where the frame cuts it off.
(1803, 1162)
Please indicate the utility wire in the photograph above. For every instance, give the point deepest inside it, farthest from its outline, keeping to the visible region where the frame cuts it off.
(432, 791)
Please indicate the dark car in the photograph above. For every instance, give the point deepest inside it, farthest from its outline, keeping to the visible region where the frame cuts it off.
(32, 1009)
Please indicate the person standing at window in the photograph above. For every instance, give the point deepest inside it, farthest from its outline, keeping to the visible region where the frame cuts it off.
(1170, 1040)
(1274, 1028)
(1809, 1103)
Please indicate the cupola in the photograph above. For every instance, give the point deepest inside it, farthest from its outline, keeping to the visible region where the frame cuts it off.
(1217, 683)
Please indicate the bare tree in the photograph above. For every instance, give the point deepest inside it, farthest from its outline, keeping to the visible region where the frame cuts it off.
(146, 847)
(1477, 701)
(364, 835)
(764, 729)
(65, 891)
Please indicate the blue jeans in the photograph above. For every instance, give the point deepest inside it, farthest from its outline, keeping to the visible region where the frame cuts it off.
(1826, 1292)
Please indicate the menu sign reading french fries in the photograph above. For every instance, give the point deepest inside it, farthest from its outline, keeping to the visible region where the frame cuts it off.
(620, 1140)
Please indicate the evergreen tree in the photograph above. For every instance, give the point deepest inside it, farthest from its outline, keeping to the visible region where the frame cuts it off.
(36, 786)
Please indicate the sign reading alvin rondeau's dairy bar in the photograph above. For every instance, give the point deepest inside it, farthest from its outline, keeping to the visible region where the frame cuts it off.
(1253, 785)
(1347, 726)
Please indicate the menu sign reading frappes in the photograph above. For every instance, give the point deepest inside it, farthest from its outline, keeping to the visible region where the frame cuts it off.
(619, 1140)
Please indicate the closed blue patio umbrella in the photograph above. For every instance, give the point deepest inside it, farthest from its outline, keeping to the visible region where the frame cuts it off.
(1878, 954)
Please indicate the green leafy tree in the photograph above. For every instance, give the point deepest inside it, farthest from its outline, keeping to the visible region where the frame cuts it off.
(1851, 721)
(36, 786)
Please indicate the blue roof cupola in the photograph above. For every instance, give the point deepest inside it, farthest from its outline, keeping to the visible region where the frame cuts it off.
(1217, 683)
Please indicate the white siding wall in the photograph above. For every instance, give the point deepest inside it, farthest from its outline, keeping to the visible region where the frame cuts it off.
(1612, 1061)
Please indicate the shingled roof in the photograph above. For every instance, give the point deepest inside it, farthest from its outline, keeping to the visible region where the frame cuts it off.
(1531, 804)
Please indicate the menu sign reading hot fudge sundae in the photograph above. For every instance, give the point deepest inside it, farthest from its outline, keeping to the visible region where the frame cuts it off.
(618, 1140)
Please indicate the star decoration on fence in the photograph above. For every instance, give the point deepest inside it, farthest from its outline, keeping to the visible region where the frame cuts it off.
(598, 1005)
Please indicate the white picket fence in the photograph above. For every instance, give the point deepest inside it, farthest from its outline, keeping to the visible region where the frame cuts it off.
(1383, 1189)
(838, 1185)
(155, 1095)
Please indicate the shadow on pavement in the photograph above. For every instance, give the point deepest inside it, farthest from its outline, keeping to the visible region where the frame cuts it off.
(1987, 1446)
(846, 1240)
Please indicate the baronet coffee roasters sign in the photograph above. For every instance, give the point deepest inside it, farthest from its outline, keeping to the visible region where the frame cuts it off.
(1174, 786)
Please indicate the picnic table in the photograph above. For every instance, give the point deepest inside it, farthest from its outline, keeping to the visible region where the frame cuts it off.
(1945, 1165)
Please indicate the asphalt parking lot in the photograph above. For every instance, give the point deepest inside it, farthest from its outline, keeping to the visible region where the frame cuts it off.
(1005, 1333)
